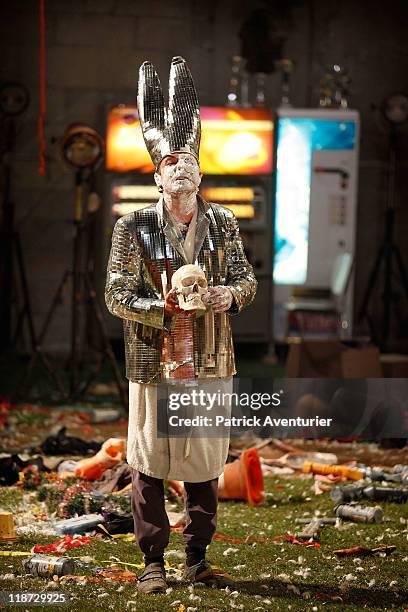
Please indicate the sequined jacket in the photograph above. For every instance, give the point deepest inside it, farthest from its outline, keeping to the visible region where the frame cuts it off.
(145, 249)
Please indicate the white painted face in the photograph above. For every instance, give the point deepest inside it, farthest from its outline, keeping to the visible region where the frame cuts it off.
(191, 285)
(178, 173)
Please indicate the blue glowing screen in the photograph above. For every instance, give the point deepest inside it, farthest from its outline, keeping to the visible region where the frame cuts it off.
(298, 138)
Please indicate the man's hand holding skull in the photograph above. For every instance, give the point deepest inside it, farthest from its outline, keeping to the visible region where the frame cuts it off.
(191, 294)
(219, 297)
(171, 305)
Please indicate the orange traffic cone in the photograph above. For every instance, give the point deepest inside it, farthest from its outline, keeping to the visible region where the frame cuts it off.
(243, 479)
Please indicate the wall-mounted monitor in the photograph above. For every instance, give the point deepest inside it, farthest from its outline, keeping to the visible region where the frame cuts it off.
(234, 141)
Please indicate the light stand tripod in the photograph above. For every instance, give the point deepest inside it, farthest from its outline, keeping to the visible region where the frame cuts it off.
(387, 253)
(11, 252)
(82, 292)
(82, 286)
(14, 100)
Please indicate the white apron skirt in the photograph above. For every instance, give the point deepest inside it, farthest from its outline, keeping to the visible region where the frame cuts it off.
(187, 458)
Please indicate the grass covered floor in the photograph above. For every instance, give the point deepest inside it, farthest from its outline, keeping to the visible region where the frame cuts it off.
(274, 575)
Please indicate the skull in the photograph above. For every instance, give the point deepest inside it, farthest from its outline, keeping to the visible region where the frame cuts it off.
(191, 284)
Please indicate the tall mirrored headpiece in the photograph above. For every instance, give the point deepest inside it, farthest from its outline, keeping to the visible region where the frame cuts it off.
(177, 128)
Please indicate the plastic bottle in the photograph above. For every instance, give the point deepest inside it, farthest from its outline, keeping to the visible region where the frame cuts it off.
(113, 451)
(398, 468)
(336, 470)
(79, 524)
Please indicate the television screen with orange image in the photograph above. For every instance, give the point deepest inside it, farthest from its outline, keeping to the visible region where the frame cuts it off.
(236, 141)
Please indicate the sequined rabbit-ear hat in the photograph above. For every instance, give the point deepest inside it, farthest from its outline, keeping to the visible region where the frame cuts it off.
(178, 128)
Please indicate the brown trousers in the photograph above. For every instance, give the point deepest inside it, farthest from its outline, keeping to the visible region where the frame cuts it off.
(152, 528)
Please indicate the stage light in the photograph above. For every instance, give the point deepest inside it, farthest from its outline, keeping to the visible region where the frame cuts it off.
(124, 208)
(14, 99)
(136, 192)
(228, 194)
(125, 147)
(82, 147)
(395, 108)
(234, 141)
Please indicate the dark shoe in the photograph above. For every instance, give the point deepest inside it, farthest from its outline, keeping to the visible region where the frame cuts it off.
(152, 579)
(210, 576)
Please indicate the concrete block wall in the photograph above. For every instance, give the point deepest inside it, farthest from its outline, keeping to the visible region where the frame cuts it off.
(94, 49)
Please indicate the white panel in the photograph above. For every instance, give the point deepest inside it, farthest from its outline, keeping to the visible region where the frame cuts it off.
(333, 175)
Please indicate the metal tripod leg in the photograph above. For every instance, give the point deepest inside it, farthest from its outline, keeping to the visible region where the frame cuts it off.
(108, 352)
(363, 313)
(38, 353)
(26, 310)
(402, 270)
(93, 375)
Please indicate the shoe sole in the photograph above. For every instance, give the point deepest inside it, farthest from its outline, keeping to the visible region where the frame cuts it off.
(154, 591)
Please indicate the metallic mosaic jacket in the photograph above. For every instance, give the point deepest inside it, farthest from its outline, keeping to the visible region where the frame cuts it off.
(144, 254)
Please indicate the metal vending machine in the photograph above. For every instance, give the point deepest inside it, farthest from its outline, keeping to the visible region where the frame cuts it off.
(315, 221)
(236, 158)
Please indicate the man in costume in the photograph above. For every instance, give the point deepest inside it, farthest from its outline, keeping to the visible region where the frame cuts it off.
(164, 342)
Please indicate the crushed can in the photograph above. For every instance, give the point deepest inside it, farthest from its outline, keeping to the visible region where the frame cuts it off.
(43, 566)
(347, 493)
(379, 475)
(359, 514)
(388, 494)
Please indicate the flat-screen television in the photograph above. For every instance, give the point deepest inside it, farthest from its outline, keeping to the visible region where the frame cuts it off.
(235, 141)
